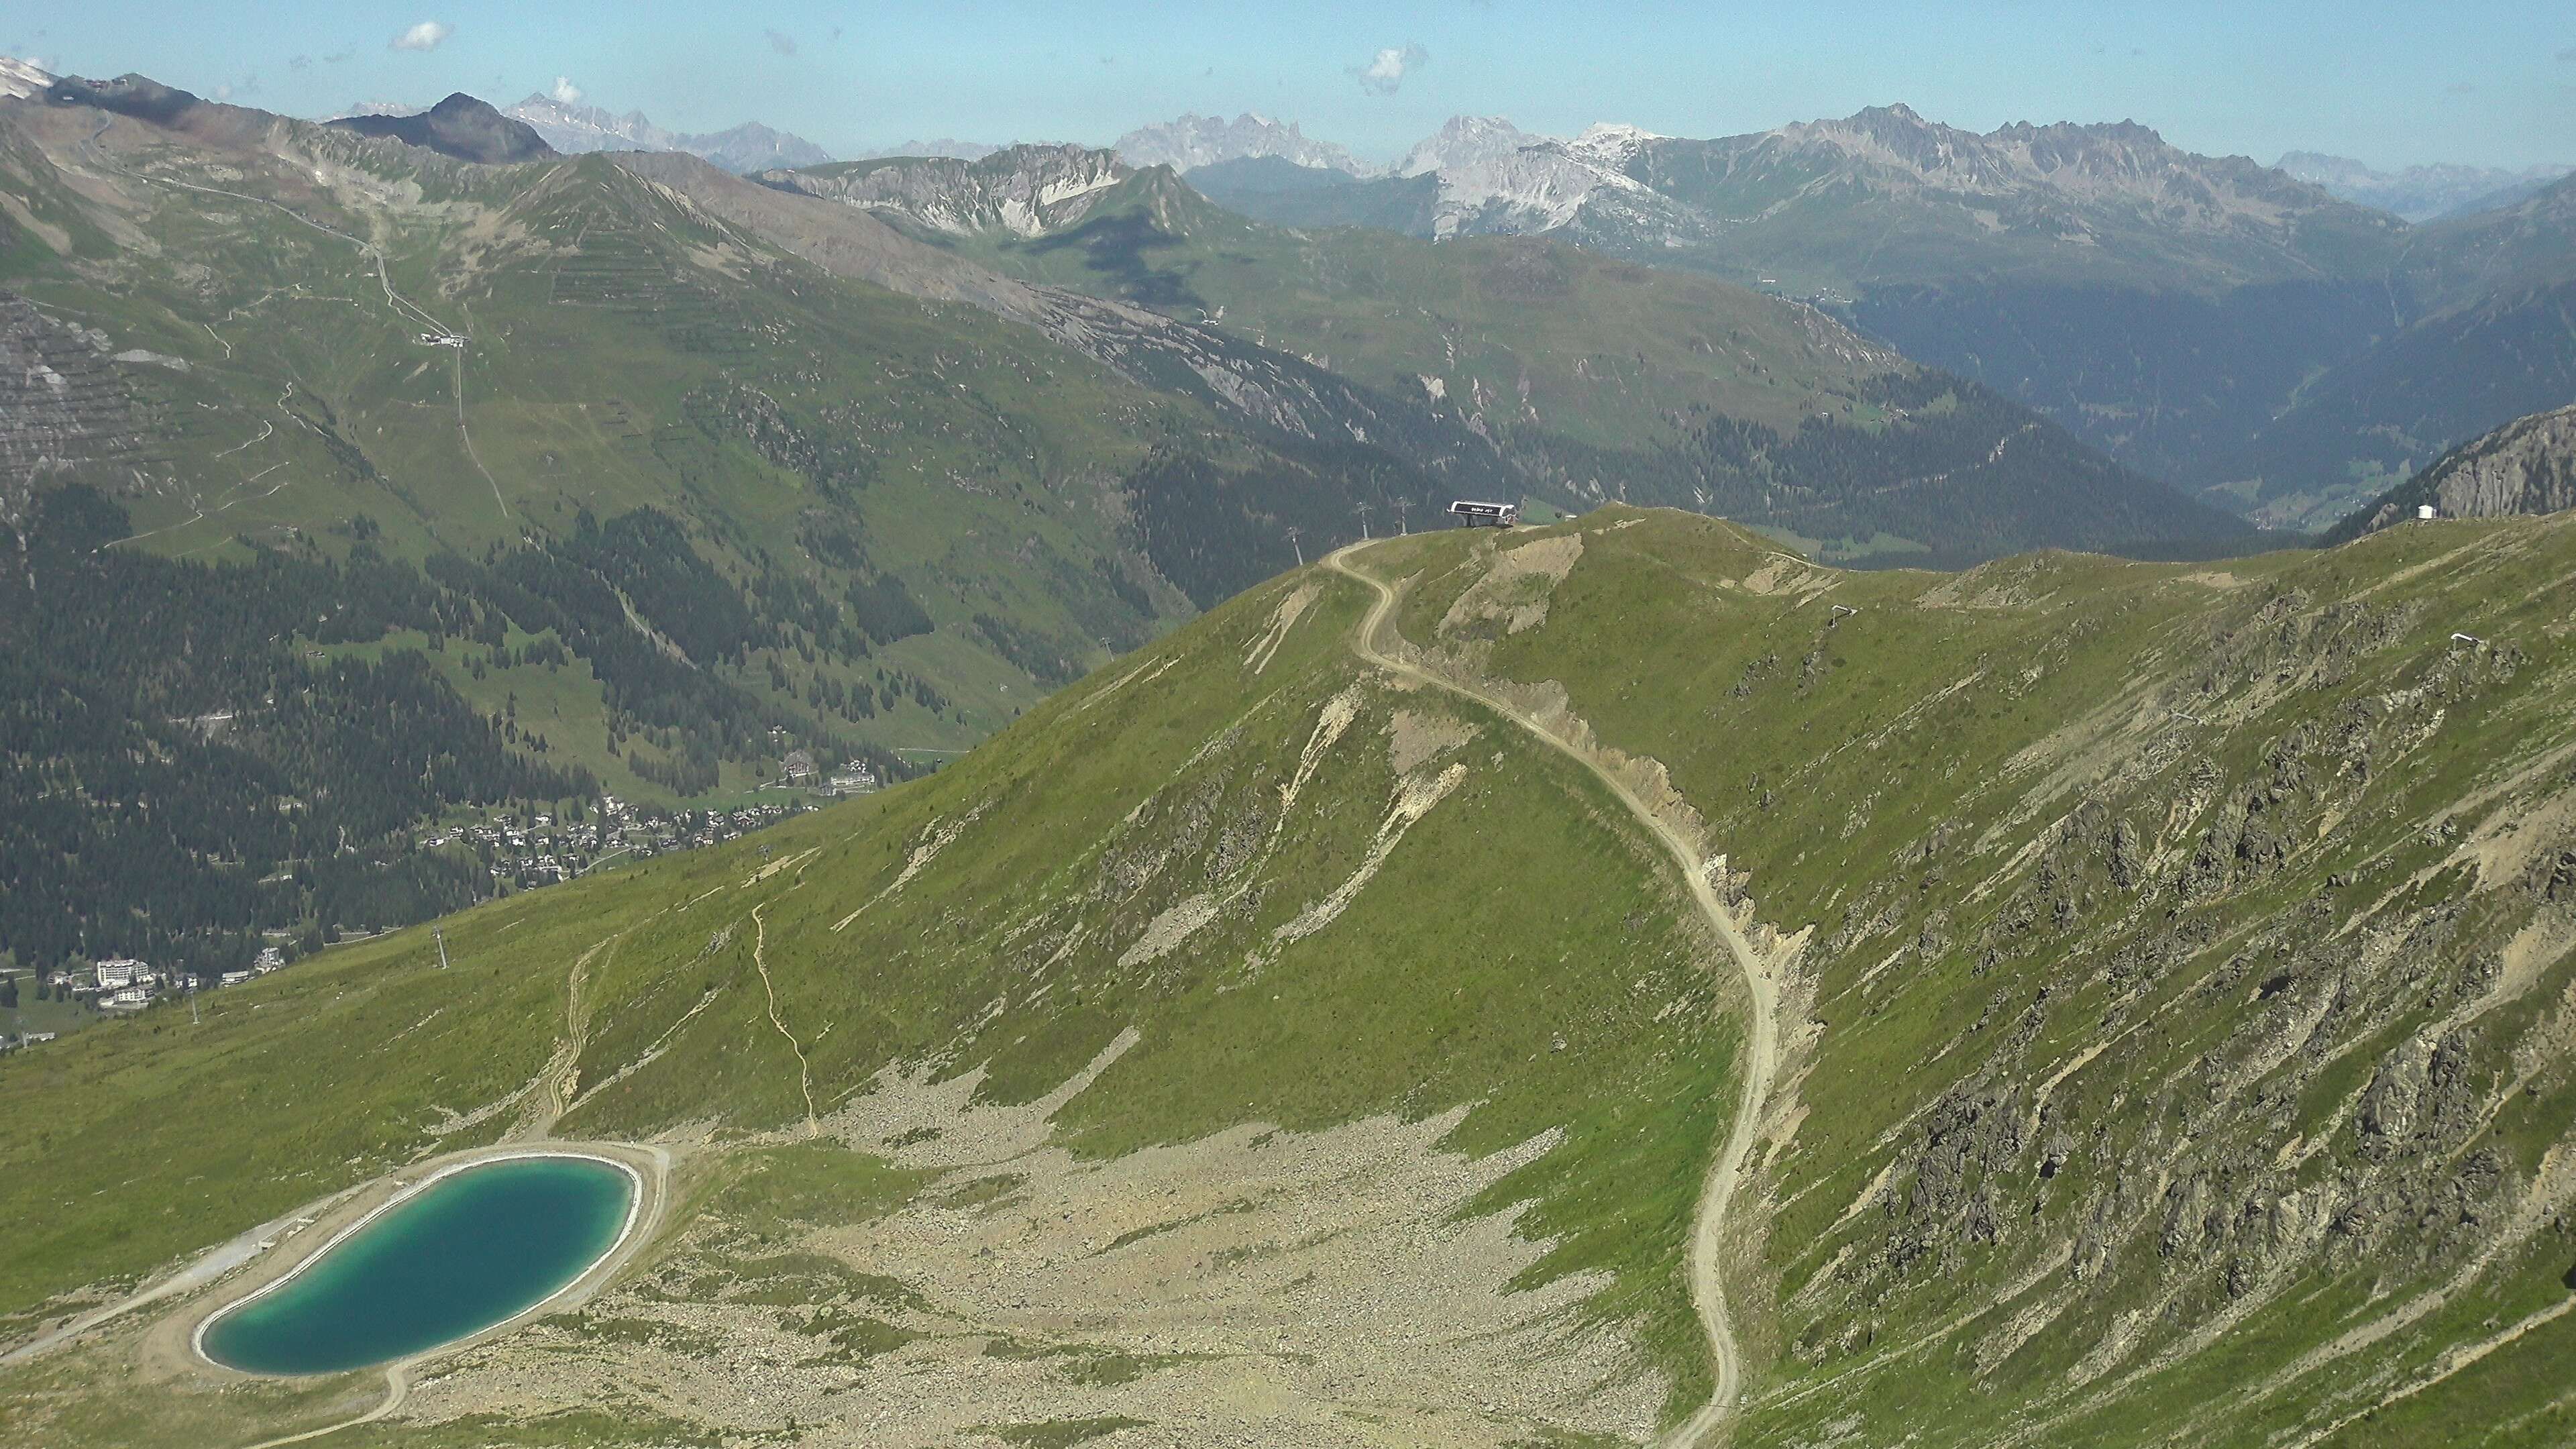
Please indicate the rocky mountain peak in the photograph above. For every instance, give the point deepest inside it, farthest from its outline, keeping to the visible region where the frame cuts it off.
(1611, 143)
(461, 126)
(1466, 141)
(1195, 140)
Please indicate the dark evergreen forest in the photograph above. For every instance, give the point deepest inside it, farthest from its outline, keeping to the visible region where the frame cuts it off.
(179, 775)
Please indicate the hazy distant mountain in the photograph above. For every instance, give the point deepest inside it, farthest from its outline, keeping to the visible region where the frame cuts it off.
(374, 108)
(462, 127)
(752, 146)
(575, 129)
(2421, 193)
(941, 146)
(1194, 141)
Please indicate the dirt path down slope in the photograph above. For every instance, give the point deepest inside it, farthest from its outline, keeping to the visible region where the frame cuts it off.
(1708, 1291)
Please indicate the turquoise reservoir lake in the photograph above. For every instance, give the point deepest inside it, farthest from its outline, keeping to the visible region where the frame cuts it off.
(472, 1249)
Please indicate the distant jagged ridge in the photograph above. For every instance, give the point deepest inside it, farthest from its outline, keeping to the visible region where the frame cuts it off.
(1195, 140)
(2527, 466)
(2420, 193)
(574, 129)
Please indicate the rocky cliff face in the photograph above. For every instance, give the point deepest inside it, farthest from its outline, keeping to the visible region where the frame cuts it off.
(2526, 466)
(1025, 190)
(66, 409)
(2072, 182)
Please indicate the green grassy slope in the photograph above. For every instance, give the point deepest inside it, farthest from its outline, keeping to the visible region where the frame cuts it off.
(623, 355)
(1241, 762)
(2175, 1038)
(2182, 1016)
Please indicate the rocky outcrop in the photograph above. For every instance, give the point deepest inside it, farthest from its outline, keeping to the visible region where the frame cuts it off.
(65, 407)
(2526, 466)
(1024, 190)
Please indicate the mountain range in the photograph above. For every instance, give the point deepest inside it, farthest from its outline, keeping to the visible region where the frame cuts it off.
(1871, 916)
(2420, 193)
(1593, 380)
(573, 129)
(2220, 324)
(1194, 141)
(647, 472)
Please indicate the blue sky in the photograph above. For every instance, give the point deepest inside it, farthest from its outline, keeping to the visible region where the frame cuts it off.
(2391, 83)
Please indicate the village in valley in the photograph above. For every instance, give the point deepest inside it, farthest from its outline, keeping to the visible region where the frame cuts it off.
(521, 849)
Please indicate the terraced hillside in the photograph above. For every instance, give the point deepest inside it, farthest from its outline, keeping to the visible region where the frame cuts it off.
(2162, 977)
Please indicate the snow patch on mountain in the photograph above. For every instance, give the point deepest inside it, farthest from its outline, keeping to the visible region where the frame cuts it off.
(22, 79)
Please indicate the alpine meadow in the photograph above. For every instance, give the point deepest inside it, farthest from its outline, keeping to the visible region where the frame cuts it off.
(1813, 783)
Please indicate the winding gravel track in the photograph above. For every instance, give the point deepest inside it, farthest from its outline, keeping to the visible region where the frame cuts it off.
(1761, 1055)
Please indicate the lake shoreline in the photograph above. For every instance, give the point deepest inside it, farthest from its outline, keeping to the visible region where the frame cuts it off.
(177, 1340)
(414, 1193)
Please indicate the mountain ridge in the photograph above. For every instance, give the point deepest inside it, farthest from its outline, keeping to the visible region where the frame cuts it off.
(459, 126)
(573, 128)
(2528, 466)
(1194, 140)
(1277, 979)
(2423, 192)
(1701, 420)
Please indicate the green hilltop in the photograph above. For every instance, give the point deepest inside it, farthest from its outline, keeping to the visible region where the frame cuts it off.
(2164, 971)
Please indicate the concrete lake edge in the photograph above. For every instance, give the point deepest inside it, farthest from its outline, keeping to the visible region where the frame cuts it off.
(645, 1190)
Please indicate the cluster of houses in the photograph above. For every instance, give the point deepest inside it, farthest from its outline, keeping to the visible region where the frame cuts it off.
(122, 983)
(538, 849)
(530, 851)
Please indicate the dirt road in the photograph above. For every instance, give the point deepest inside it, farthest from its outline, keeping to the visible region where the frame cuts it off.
(1717, 1194)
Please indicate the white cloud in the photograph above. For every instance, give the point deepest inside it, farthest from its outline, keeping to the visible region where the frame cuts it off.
(1386, 70)
(565, 92)
(424, 36)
